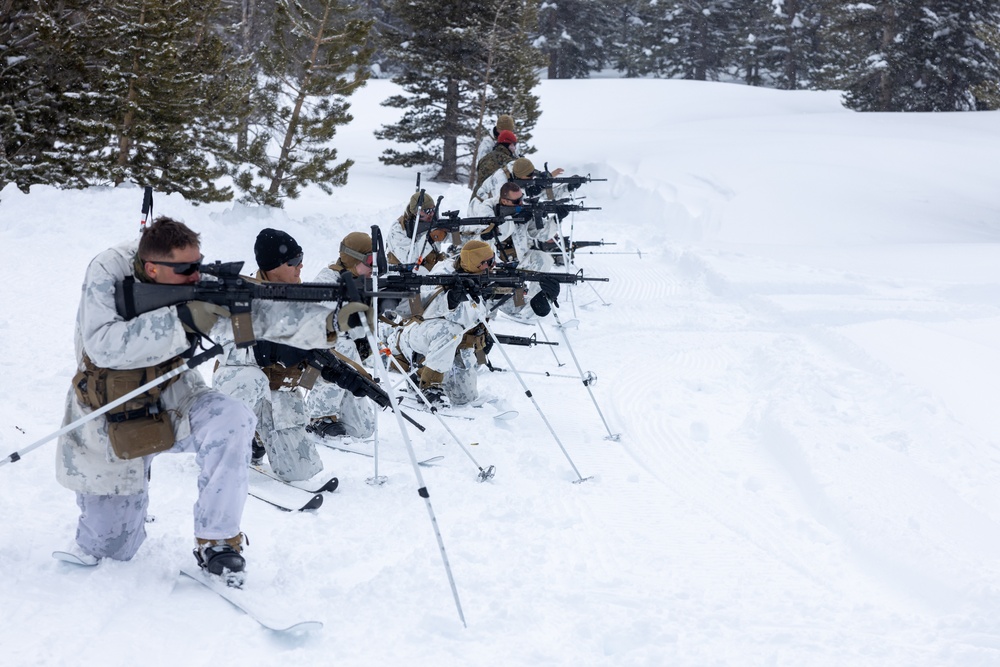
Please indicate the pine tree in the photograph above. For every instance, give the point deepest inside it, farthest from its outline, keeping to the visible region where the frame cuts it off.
(574, 35)
(987, 92)
(689, 39)
(788, 41)
(444, 63)
(895, 55)
(318, 56)
(39, 61)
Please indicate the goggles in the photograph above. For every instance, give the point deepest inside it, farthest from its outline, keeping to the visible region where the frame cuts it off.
(294, 261)
(488, 262)
(366, 258)
(181, 268)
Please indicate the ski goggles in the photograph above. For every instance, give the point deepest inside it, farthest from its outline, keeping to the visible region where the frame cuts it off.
(366, 258)
(181, 268)
(295, 261)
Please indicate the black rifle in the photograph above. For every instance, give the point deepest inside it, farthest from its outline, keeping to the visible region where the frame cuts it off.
(450, 221)
(329, 363)
(544, 180)
(510, 269)
(524, 341)
(574, 245)
(535, 209)
(406, 282)
(228, 288)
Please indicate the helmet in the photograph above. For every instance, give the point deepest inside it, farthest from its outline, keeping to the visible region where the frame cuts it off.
(427, 204)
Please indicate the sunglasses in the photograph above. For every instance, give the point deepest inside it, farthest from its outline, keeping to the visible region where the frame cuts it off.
(181, 268)
(516, 202)
(294, 261)
(488, 262)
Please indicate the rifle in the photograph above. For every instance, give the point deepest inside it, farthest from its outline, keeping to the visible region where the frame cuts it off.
(406, 282)
(328, 362)
(450, 221)
(227, 288)
(574, 245)
(535, 209)
(545, 180)
(510, 269)
(524, 341)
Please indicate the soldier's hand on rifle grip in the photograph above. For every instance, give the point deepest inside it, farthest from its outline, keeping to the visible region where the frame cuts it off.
(457, 295)
(200, 316)
(574, 186)
(550, 288)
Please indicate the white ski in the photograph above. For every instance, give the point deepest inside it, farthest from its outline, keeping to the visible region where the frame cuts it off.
(82, 560)
(258, 609)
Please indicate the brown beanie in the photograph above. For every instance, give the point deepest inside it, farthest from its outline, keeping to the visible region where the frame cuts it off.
(505, 122)
(427, 204)
(354, 248)
(522, 168)
(473, 254)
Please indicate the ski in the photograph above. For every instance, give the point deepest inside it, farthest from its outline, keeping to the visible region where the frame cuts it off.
(311, 504)
(82, 560)
(327, 487)
(412, 403)
(260, 610)
(350, 450)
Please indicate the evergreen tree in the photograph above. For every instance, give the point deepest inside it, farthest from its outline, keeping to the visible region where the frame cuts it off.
(788, 41)
(630, 28)
(318, 56)
(460, 62)
(689, 39)
(894, 55)
(988, 91)
(574, 35)
(39, 60)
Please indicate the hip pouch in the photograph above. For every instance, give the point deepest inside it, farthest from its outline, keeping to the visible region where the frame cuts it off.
(139, 427)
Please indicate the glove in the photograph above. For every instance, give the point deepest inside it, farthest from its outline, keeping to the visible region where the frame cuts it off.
(574, 186)
(200, 316)
(457, 295)
(533, 190)
(550, 288)
(364, 348)
(490, 233)
(561, 213)
(540, 305)
(349, 317)
(346, 379)
(489, 344)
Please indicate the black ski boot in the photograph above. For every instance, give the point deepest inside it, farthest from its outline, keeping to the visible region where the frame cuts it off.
(327, 427)
(223, 558)
(257, 451)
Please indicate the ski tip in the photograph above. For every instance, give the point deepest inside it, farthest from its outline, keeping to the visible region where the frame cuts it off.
(330, 486)
(505, 415)
(302, 627)
(315, 503)
(82, 559)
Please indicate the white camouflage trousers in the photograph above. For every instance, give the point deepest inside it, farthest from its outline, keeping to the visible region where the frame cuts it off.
(438, 340)
(112, 526)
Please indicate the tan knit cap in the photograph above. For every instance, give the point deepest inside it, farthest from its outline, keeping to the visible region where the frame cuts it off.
(473, 254)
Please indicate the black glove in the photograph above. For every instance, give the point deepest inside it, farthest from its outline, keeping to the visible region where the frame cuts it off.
(364, 348)
(457, 295)
(346, 378)
(489, 344)
(574, 186)
(491, 233)
(549, 287)
(561, 213)
(471, 288)
(540, 305)
(533, 190)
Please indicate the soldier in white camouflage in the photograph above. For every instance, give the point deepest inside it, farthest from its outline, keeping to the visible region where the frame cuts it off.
(107, 460)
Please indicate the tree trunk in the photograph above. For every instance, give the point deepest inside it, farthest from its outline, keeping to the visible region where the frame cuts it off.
(884, 75)
(128, 121)
(281, 165)
(791, 53)
(449, 161)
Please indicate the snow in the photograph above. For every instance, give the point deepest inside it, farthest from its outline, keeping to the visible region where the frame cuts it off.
(802, 364)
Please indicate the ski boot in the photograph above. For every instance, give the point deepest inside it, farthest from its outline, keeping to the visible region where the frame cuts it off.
(328, 427)
(223, 558)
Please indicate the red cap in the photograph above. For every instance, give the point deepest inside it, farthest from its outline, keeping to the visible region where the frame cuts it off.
(506, 137)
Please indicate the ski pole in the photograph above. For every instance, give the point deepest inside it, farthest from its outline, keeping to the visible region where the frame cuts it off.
(484, 474)
(527, 392)
(190, 363)
(551, 347)
(587, 380)
(383, 373)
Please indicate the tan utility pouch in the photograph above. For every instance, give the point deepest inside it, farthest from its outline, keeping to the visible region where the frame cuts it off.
(138, 427)
(279, 377)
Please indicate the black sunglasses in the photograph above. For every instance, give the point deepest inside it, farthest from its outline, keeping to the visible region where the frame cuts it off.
(181, 268)
(294, 261)
(488, 262)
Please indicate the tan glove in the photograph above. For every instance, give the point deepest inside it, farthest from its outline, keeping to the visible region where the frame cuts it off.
(200, 316)
(355, 308)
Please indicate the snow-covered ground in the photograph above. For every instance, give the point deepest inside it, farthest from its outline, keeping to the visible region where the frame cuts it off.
(803, 365)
